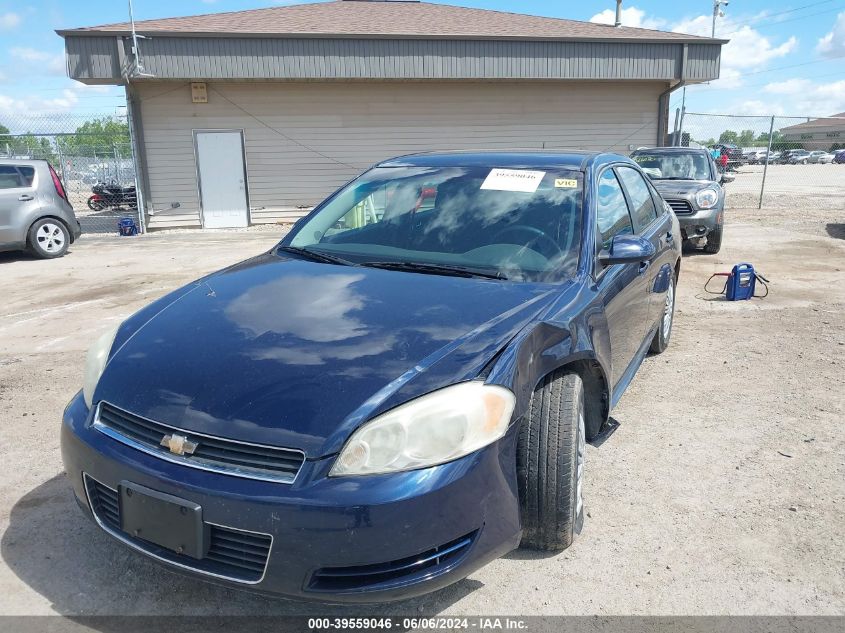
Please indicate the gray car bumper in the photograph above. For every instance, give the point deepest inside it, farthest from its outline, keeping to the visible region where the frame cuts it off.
(700, 223)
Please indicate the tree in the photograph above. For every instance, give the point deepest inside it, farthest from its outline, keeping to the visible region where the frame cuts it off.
(729, 136)
(96, 137)
(26, 145)
(746, 138)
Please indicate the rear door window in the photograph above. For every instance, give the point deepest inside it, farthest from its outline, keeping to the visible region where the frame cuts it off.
(642, 205)
(16, 177)
(27, 175)
(10, 177)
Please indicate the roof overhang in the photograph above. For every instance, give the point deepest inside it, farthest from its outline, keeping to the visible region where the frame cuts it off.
(98, 58)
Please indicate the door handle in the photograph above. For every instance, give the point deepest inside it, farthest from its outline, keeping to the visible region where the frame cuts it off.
(25, 197)
(670, 237)
(643, 267)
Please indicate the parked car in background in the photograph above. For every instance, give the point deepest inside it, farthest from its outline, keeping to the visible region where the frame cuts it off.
(786, 155)
(734, 153)
(820, 158)
(753, 157)
(395, 394)
(691, 185)
(35, 214)
(839, 156)
(799, 157)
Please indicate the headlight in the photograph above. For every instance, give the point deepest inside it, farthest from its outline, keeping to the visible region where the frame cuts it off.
(95, 362)
(433, 429)
(707, 198)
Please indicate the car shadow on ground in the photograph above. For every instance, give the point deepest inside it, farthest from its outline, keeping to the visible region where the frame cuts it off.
(68, 560)
(836, 230)
(25, 256)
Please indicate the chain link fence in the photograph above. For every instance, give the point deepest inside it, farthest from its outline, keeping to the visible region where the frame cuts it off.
(778, 161)
(92, 154)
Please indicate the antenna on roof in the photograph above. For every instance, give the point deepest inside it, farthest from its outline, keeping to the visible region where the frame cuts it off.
(138, 70)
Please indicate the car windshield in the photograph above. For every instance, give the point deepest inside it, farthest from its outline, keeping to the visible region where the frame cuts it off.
(674, 165)
(516, 224)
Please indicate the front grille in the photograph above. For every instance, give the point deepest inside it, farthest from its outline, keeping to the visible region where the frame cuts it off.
(211, 453)
(232, 554)
(680, 207)
(365, 576)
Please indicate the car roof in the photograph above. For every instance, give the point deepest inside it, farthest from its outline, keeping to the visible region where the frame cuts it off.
(578, 160)
(671, 150)
(22, 161)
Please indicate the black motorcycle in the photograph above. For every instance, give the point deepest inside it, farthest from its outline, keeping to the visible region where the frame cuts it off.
(112, 196)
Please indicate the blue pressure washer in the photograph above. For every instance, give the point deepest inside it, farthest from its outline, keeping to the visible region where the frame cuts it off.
(740, 284)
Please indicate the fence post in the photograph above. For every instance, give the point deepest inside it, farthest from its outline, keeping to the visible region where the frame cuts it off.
(679, 140)
(61, 162)
(766, 166)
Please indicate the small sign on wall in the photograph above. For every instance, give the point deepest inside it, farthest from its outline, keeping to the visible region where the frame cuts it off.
(199, 92)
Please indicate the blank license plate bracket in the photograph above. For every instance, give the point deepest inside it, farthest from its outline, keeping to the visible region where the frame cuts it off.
(162, 519)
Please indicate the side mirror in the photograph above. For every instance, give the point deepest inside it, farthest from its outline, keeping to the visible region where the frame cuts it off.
(627, 249)
(726, 178)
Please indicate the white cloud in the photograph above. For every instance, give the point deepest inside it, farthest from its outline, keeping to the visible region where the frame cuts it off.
(746, 49)
(9, 21)
(788, 86)
(53, 63)
(631, 16)
(833, 44)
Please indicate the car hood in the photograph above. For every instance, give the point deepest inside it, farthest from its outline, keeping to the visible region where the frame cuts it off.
(681, 188)
(293, 353)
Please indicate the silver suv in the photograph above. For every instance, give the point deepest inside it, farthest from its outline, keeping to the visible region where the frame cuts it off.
(35, 213)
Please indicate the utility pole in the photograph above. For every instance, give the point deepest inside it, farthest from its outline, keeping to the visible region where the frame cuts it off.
(717, 13)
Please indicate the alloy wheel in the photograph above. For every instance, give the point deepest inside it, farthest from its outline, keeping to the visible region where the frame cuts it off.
(50, 238)
(668, 310)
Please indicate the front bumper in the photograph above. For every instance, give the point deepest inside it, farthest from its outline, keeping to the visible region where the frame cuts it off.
(700, 222)
(349, 539)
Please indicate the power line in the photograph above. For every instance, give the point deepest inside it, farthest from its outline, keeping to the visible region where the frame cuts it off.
(767, 16)
(765, 25)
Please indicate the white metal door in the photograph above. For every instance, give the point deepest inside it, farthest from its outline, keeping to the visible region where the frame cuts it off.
(222, 178)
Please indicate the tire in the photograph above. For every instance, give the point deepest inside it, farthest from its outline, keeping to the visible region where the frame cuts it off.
(49, 238)
(550, 464)
(804, 162)
(664, 331)
(95, 204)
(714, 240)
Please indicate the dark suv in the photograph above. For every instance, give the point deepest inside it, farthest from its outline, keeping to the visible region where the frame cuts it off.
(734, 154)
(692, 186)
(35, 213)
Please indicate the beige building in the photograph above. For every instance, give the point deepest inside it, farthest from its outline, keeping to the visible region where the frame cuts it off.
(817, 134)
(255, 116)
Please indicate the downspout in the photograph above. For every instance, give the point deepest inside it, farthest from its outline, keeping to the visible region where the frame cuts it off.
(663, 102)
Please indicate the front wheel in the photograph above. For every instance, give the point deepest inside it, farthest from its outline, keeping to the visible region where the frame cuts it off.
(714, 240)
(664, 331)
(550, 463)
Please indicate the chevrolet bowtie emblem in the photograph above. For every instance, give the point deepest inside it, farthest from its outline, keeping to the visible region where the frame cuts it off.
(178, 444)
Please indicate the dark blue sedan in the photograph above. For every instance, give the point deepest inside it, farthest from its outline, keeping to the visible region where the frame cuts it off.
(397, 393)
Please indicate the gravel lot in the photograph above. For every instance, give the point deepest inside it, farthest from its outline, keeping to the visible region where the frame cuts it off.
(722, 490)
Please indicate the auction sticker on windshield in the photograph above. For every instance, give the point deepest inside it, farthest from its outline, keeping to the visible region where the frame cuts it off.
(524, 180)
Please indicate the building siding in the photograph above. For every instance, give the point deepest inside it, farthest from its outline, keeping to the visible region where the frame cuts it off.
(305, 139)
(94, 59)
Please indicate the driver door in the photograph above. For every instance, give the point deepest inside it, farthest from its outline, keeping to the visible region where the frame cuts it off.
(622, 287)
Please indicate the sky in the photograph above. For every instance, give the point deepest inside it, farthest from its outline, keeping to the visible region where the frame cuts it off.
(785, 57)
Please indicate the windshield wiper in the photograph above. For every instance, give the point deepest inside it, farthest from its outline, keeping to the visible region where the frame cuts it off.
(436, 269)
(316, 256)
